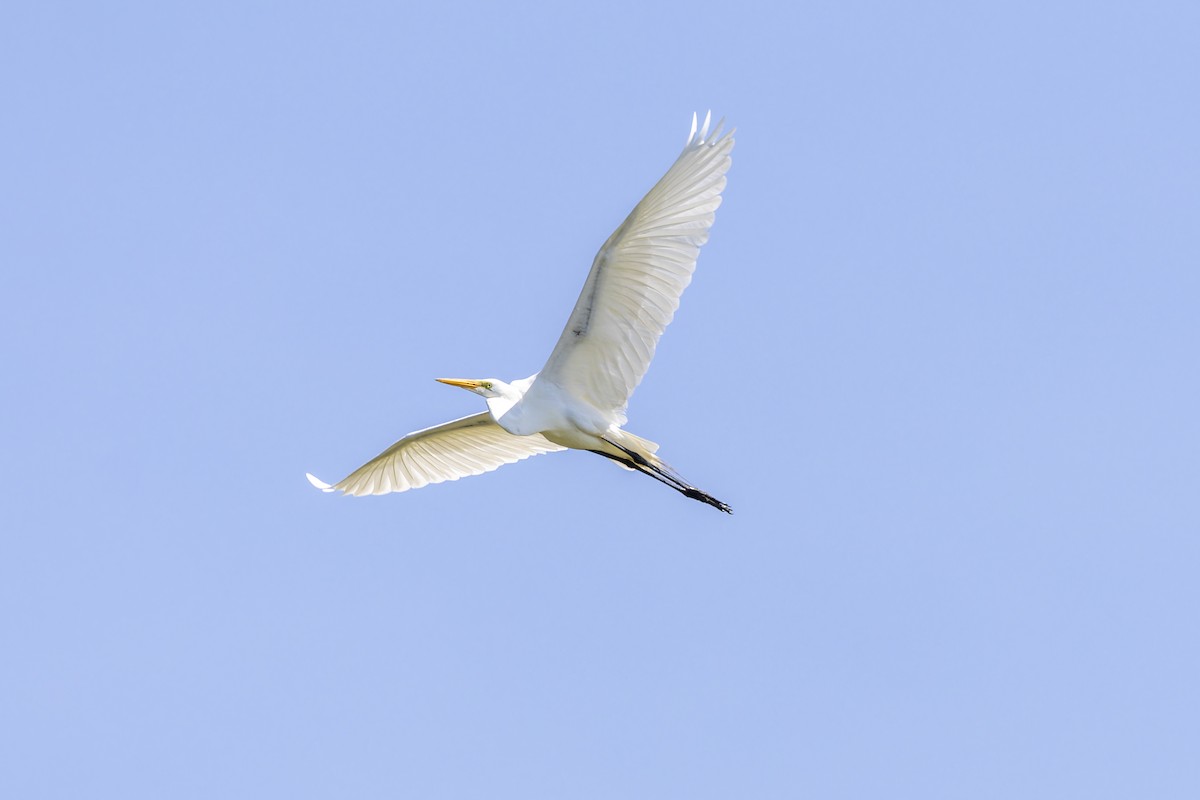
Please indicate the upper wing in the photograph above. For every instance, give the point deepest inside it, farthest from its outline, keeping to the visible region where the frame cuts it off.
(633, 290)
(469, 446)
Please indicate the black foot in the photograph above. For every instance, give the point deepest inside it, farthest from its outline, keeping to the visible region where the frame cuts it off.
(696, 494)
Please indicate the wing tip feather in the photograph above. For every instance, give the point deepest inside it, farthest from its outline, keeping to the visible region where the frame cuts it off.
(700, 133)
(318, 483)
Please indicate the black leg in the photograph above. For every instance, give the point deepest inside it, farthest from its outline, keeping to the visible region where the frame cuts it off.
(639, 462)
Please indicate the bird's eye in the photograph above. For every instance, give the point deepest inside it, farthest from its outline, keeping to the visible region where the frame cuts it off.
(487, 386)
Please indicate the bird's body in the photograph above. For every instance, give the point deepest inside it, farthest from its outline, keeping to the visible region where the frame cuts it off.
(551, 412)
(579, 398)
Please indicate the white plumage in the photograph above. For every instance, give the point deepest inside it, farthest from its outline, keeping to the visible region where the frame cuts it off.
(637, 278)
(468, 446)
(579, 398)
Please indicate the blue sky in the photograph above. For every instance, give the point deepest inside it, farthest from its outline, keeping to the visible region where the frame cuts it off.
(940, 356)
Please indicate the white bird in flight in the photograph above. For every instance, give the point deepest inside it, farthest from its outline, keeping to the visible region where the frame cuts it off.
(578, 400)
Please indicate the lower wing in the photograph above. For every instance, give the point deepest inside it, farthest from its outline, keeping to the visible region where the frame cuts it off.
(469, 446)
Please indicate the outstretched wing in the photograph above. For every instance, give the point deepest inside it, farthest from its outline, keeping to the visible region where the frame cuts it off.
(636, 281)
(469, 446)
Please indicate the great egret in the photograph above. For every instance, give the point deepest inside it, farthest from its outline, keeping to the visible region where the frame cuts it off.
(578, 399)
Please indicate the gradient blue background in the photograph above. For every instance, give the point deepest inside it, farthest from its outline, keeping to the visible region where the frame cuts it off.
(940, 355)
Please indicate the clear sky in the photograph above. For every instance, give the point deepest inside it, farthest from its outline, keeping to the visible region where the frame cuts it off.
(940, 355)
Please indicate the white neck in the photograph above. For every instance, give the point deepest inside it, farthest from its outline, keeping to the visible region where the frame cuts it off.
(499, 406)
(509, 396)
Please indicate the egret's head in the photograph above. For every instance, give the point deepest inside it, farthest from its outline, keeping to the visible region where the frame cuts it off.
(488, 387)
